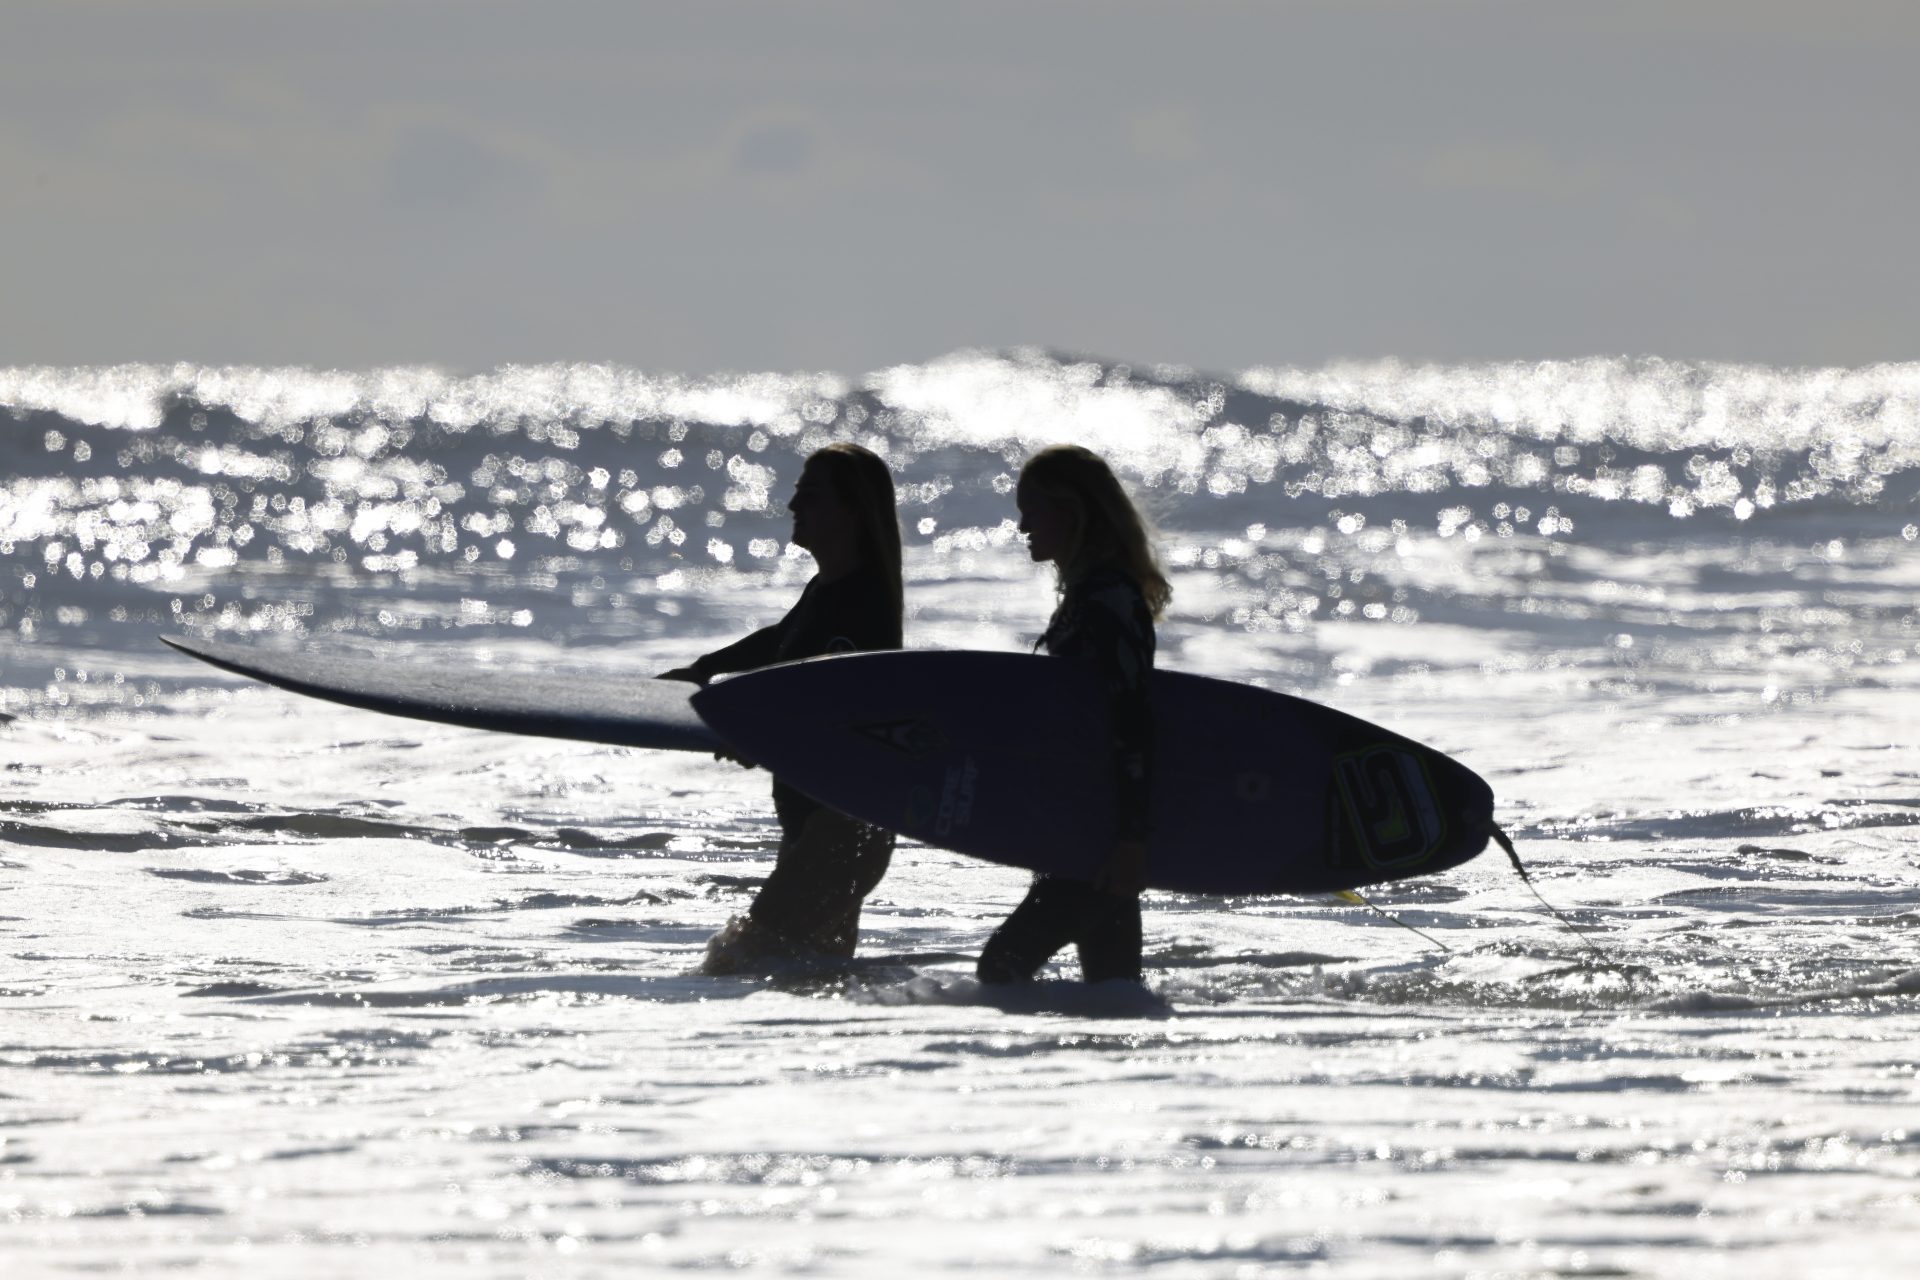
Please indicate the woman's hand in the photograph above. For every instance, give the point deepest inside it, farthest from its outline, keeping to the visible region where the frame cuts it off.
(691, 676)
(1125, 874)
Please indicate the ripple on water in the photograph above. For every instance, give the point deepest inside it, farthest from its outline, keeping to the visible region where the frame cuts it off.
(240, 877)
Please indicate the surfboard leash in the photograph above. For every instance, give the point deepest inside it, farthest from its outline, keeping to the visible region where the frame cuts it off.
(1348, 895)
(1505, 842)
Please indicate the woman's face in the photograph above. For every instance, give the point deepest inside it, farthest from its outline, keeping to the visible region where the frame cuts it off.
(820, 516)
(1047, 523)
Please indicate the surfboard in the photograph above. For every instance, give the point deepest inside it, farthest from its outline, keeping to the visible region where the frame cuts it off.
(626, 712)
(1008, 757)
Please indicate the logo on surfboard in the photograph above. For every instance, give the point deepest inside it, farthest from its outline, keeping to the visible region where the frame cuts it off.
(953, 808)
(956, 798)
(911, 738)
(1389, 805)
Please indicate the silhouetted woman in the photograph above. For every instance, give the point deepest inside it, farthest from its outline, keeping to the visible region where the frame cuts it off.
(1075, 514)
(844, 514)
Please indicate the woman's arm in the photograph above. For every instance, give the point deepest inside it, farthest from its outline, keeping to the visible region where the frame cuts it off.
(760, 649)
(757, 650)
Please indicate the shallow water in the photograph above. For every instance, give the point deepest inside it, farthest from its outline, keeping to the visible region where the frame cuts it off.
(297, 988)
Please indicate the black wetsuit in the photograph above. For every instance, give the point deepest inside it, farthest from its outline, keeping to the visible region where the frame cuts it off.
(1103, 621)
(819, 903)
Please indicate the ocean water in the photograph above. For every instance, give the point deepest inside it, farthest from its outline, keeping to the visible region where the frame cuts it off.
(296, 990)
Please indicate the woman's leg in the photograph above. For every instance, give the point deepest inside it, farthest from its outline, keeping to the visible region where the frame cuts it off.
(1109, 937)
(822, 875)
(1046, 920)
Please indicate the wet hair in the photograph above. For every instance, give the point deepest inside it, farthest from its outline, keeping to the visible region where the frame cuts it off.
(862, 481)
(1108, 527)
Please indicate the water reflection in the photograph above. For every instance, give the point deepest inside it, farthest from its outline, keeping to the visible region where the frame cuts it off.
(244, 498)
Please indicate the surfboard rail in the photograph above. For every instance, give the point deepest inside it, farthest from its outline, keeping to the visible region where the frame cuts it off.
(627, 712)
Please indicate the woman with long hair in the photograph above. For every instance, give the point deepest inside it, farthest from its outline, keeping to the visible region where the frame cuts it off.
(1112, 589)
(844, 514)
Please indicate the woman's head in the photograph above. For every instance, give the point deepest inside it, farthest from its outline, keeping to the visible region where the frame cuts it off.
(844, 502)
(1076, 515)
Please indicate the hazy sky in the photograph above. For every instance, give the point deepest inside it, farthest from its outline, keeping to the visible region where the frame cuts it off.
(721, 185)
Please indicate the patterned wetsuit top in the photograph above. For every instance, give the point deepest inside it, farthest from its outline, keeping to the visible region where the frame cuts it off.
(1103, 620)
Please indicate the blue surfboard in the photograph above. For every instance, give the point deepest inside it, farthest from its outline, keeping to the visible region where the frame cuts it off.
(631, 712)
(1008, 757)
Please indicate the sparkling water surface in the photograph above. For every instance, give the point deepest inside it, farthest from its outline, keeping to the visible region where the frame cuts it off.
(297, 989)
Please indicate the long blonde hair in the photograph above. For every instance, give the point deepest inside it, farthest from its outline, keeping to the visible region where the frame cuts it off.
(864, 484)
(1108, 527)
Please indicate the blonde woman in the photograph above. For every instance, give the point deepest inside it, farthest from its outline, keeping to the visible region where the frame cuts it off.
(1076, 516)
(844, 515)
